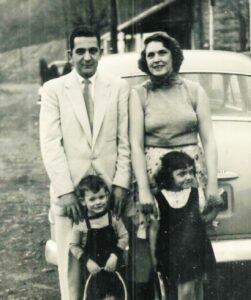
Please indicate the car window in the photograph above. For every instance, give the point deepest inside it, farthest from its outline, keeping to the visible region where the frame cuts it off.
(228, 93)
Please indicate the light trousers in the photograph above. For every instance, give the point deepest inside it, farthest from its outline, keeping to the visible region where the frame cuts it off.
(69, 268)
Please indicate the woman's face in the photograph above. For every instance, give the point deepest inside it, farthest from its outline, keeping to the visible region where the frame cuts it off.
(158, 59)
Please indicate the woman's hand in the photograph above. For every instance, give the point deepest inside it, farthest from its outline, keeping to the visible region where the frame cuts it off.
(212, 196)
(92, 267)
(111, 263)
(119, 199)
(146, 202)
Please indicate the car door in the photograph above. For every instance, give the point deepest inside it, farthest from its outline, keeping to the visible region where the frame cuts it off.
(229, 96)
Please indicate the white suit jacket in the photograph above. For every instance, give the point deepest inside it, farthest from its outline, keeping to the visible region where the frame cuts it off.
(68, 148)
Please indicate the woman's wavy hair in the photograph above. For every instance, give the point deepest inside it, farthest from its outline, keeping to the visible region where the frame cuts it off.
(170, 162)
(170, 43)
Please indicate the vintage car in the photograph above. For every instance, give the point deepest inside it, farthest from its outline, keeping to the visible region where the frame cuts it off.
(54, 69)
(226, 78)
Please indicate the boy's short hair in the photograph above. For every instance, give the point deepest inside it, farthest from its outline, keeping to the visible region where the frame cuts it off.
(170, 162)
(91, 183)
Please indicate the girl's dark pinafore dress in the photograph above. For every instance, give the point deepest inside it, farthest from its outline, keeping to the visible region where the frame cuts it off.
(101, 242)
(183, 249)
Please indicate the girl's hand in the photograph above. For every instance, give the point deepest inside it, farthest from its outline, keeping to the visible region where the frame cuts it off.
(146, 202)
(92, 267)
(111, 263)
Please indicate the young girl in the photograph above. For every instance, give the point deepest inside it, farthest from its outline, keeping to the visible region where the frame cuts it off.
(100, 239)
(183, 251)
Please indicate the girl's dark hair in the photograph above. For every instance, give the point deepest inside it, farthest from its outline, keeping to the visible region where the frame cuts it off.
(170, 162)
(170, 43)
(91, 183)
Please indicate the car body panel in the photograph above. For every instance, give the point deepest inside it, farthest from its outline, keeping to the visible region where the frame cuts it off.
(234, 155)
(195, 61)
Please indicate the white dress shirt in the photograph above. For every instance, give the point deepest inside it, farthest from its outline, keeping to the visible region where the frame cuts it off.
(92, 85)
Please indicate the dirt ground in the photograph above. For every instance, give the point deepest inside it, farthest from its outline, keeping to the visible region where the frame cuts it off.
(24, 229)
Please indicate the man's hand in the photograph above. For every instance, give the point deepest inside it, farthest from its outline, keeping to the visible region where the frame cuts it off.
(111, 263)
(92, 267)
(119, 199)
(71, 207)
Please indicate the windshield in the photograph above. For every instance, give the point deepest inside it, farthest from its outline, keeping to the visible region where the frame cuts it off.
(229, 94)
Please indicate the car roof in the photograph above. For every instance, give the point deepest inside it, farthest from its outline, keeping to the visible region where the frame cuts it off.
(58, 63)
(195, 61)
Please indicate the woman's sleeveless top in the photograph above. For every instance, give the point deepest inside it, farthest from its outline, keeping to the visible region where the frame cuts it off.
(170, 113)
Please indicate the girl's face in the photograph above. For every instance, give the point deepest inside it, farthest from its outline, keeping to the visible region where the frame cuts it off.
(96, 202)
(158, 59)
(183, 178)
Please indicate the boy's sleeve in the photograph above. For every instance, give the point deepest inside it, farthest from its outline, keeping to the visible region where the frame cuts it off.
(78, 240)
(122, 235)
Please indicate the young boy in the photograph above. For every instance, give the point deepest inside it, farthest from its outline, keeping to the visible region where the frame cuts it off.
(100, 239)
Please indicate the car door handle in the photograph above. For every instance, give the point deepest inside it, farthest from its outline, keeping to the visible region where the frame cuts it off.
(223, 174)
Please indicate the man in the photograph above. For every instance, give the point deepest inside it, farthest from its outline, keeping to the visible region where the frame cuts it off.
(83, 131)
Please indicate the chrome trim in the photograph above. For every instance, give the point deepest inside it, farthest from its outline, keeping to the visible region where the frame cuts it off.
(232, 250)
(224, 175)
(225, 251)
(231, 118)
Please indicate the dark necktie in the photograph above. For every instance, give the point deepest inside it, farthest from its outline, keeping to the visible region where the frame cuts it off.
(88, 101)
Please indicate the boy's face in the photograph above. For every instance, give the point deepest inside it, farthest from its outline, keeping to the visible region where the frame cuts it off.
(96, 202)
(183, 178)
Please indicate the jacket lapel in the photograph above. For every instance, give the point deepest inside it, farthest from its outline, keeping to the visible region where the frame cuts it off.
(101, 94)
(74, 94)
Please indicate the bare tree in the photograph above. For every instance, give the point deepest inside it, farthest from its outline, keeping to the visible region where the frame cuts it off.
(240, 10)
(83, 12)
(114, 23)
(65, 8)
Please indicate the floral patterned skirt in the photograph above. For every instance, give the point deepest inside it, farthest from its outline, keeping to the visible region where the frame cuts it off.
(154, 155)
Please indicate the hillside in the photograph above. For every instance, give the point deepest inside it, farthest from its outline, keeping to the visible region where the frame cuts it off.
(21, 65)
(30, 22)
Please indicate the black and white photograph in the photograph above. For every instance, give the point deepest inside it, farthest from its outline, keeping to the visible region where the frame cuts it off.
(125, 158)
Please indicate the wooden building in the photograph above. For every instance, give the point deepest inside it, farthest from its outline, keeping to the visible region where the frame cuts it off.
(212, 24)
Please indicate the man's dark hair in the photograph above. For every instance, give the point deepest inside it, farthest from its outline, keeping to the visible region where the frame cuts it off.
(91, 183)
(170, 162)
(85, 31)
(170, 43)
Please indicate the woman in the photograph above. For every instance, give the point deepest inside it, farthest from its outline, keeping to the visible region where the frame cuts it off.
(168, 113)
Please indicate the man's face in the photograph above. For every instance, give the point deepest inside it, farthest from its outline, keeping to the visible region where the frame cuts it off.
(85, 55)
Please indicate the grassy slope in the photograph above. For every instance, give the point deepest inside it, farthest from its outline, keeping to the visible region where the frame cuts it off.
(24, 200)
(22, 65)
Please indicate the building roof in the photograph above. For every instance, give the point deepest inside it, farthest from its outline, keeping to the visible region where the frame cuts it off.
(148, 12)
